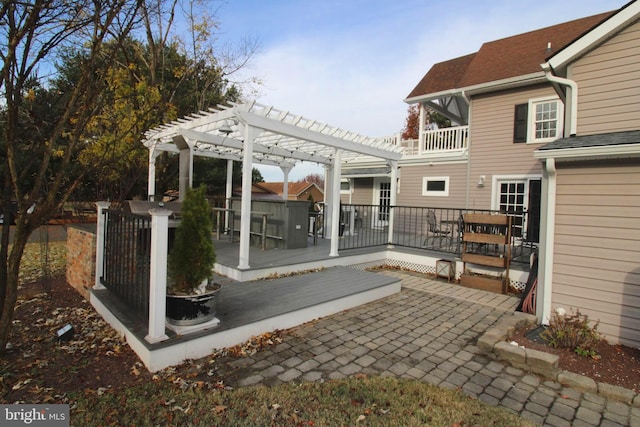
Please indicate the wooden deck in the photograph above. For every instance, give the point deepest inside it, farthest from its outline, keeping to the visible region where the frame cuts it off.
(247, 309)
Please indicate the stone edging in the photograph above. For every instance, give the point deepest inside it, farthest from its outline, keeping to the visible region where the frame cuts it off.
(494, 344)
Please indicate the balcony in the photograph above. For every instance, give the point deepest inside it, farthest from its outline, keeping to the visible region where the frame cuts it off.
(445, 141)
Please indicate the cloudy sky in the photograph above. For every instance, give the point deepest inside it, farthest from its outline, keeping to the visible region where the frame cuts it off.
(350, 63)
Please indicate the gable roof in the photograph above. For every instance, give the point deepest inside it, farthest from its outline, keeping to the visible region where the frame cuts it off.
(295, 188)
(510, 57)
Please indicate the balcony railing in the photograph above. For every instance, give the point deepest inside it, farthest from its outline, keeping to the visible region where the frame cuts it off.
(447, 140)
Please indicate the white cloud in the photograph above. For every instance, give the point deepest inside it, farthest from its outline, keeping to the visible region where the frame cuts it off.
(354, 71)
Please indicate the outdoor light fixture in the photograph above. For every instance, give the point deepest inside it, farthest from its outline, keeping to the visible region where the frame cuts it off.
(65, 333)
(481, 181)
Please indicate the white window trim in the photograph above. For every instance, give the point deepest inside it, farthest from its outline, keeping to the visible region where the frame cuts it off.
(531, 120)
(444, 193)
(350, 189)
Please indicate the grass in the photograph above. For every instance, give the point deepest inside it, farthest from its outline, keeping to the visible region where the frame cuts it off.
(375, 401)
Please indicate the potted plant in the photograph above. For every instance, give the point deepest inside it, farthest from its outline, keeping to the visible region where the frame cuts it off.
(191, 293)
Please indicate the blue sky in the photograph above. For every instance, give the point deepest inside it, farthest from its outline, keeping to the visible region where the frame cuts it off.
(351, 63)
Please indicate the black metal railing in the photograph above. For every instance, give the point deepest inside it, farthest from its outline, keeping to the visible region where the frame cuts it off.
(127, 258)
(437, 229)
(363, 226)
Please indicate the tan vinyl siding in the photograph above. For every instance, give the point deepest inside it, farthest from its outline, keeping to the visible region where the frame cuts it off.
(609, 85)
(493, 151)
(597, 246)
(362, 192)
(411, 185)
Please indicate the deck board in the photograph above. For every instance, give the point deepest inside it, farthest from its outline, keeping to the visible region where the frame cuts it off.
(244, 303)
(247, 302)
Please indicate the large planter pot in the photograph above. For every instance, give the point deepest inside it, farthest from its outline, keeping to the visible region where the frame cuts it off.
(189, 310)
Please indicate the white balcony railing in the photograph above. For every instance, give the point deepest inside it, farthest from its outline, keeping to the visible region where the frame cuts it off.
(437, 141)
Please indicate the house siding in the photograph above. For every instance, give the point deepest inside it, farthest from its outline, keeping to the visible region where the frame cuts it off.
(493, 151)
(608, 80)
(597, 246)
(411, 185)
(362, 192)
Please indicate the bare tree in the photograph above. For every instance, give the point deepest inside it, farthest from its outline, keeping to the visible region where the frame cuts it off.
(39, 167)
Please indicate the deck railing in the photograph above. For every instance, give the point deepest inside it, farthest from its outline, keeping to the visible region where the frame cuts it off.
(446, 140)
(127, 257)
(437, 229)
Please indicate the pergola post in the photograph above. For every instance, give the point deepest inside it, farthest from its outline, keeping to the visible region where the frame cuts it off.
(245, 203)
(335, 202)
(328, 199)
(151, 184)
(285, 182)
(393, 199)
(228, 193)
(185, 171)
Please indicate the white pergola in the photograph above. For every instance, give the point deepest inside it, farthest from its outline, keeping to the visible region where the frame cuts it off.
(253, 133)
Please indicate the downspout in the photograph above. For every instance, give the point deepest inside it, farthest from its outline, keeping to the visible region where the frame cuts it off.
(572, 97)
(548, 205)
(547, 241)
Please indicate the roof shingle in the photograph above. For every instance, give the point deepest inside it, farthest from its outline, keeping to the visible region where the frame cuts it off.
(505, 58)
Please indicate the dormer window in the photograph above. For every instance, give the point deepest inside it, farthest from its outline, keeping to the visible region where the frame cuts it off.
(539, 120)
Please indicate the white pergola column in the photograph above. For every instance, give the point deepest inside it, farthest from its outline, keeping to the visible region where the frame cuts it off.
(393, 199)
(328, 198)
(228, 193)
(285, 182)
(335, 202)
(158, 274)
(100, 227)
(245, 204)
(185, 173)
(151, 184)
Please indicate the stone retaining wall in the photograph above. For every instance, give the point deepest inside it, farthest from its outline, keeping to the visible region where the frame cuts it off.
(81, 258)
(494, 344)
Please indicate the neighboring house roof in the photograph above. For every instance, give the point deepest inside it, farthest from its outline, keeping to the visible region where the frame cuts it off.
(258, 191)
(295, 188)
(505, 58)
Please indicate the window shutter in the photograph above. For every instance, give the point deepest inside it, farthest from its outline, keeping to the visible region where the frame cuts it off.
(520, 123)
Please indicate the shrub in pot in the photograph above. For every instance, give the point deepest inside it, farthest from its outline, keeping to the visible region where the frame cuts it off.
(192, 295)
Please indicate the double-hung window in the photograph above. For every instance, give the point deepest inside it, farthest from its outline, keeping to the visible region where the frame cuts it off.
(539, 120)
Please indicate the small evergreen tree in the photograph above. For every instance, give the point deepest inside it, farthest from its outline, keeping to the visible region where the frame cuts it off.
(192, 257)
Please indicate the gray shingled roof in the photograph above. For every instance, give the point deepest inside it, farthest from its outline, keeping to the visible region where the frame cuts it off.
(598, 140)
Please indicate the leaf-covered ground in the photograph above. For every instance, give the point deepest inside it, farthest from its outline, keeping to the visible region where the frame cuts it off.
(102, 380)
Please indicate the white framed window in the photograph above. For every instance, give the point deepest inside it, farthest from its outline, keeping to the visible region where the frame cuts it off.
(539, 120)
(435, 186)
(345, 186)
(545, 119)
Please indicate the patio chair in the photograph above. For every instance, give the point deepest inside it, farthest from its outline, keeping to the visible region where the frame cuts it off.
(435, 230)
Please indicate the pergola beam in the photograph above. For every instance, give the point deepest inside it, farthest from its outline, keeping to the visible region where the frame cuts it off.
(303, 134)
(224, 141)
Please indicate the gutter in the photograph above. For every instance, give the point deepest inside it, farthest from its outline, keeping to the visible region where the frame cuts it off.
(573, 96)
(508, 83)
